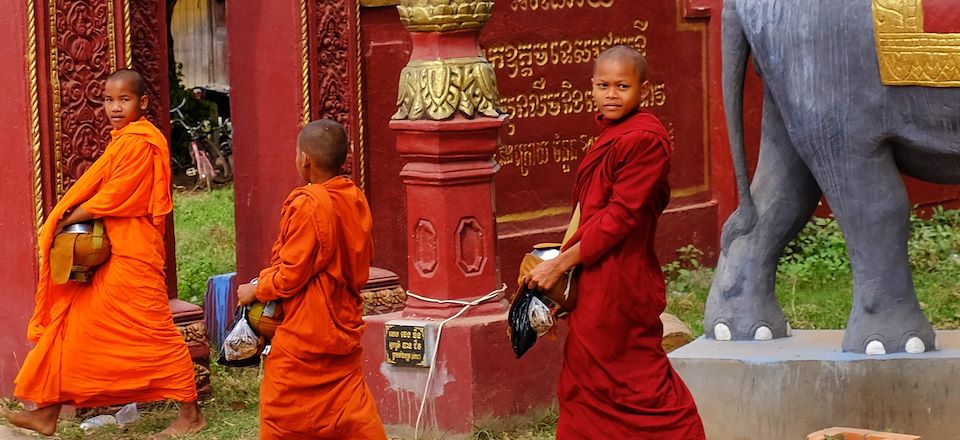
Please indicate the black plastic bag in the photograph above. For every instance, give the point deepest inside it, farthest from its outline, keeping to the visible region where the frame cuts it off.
(251, 361)
(522, 334)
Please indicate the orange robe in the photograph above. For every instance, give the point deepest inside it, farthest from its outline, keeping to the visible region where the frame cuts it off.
(313, 385)
(112, 340)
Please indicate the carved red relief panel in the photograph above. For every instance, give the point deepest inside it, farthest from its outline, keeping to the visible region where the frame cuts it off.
(469, 247)
(83, 64)
(426, 254)
(334, 68)
(333, 45)
(148, 44)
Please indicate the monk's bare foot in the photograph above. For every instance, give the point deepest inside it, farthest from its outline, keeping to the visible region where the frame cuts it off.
(43, 420)
(188, 422)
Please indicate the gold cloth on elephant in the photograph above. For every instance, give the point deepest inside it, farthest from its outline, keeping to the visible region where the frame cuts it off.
(917, 45)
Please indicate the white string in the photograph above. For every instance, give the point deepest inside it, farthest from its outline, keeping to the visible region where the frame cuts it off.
(436, 346)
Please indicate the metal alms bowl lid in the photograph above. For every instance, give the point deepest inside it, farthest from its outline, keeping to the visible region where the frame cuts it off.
(78, 228)
(546, 251)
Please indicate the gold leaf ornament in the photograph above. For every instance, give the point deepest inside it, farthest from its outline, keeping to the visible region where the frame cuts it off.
(438, 89)
(444, 15)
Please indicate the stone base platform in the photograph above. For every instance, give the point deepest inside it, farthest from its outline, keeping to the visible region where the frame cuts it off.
(788, 388)
(477, 382)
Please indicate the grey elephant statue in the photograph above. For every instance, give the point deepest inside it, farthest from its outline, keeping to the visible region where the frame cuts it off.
(847, 108)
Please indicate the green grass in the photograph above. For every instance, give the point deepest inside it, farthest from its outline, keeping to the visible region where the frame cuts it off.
(206, 239)
(231, 414)
(542, 428)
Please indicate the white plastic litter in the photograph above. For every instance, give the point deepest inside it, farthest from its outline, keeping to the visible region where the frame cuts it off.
(128, 414)
(97, 422)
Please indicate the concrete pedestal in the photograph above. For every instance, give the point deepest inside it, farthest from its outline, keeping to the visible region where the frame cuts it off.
(791, 387)
(478, 382)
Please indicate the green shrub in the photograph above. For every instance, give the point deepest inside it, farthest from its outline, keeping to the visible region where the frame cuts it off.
(814, 280)
(935, 242)
(818, 250)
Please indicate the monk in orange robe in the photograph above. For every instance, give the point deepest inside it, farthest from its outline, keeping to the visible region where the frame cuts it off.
(112, 340)
(616, 381)
(313, 385)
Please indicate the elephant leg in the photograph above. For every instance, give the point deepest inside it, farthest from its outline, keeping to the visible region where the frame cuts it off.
(742, 304)
(870, 202)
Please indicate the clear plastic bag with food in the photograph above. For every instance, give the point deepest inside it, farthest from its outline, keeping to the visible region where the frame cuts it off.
(540, 315)
(241, 343)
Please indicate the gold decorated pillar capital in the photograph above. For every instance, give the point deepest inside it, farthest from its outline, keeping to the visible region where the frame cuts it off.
(444, 15)
(447, 74)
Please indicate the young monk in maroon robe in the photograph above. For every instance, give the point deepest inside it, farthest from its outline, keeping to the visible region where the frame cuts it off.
(313, 385)
(112, 340)
(616, 381)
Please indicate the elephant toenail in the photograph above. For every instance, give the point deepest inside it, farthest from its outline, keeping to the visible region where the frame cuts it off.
(915, 345)
(875, 348)
(721, 332)
(763, 333)
(789, 330)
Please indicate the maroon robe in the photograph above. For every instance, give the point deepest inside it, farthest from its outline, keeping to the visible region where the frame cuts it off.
(616, 381)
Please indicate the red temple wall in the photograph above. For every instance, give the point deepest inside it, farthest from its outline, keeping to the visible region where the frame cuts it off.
(532, 194)
(18, 208)
(267, 106)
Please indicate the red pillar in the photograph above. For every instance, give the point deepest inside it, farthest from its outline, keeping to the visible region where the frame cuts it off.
(451, 231)
(447, 131)
(18, 207)
(267, 103)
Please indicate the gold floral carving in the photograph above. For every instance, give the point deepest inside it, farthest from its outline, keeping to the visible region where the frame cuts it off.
(201, 377)
(112, 36)
(194, 332)
(377, 3)
(907, 54)
(377, 302)
(438, 89)
(444, 15)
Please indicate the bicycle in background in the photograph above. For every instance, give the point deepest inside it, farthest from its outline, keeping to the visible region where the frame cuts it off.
(210, 150)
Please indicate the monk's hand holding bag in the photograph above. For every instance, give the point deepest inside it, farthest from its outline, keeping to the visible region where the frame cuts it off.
(563, 294)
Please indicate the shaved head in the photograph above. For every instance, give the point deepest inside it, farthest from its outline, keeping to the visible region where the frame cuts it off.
(133, 78)
(626, 54)
(325, 142)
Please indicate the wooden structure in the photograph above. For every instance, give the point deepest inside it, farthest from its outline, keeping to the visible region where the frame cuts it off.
(199, 29)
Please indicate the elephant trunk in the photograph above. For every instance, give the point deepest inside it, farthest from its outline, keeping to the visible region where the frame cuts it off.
(735, 51)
